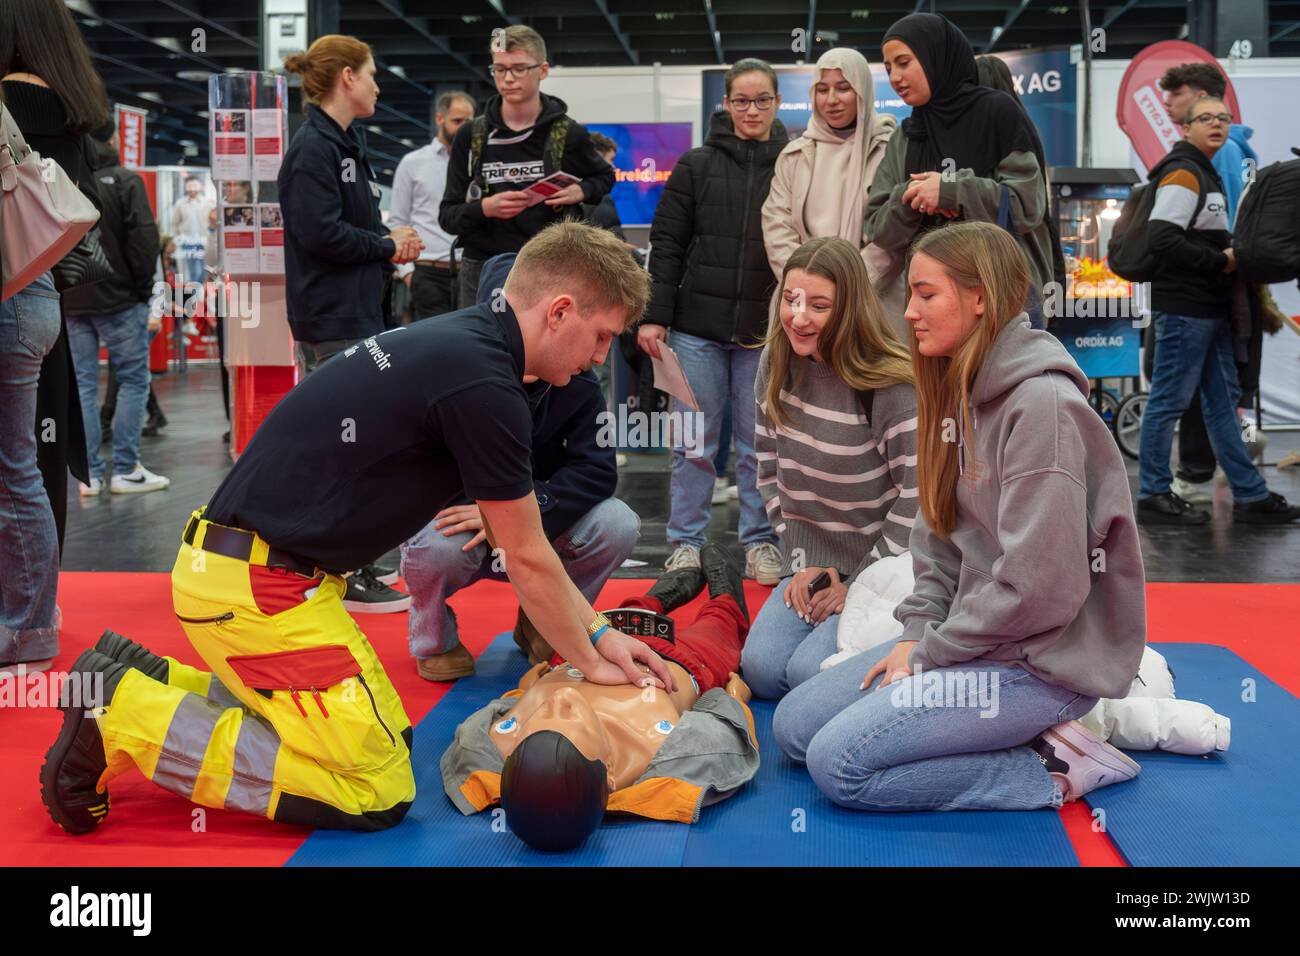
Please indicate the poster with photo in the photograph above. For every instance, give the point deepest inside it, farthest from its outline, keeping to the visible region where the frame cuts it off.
(270, 238)
(268, 143)
(236, 192)
(230, 145)
(239, 238)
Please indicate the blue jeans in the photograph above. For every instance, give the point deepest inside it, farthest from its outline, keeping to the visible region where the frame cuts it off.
(883, 749)
(190, 256)
(29, 551)
(1194, 353)
(782, 651)
(720, 374)
(435, 568)
(126, 336)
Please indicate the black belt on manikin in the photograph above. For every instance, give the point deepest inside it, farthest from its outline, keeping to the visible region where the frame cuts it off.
(238, 544)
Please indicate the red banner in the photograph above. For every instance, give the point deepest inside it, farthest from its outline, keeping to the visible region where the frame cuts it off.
(1141, 108)
(130, 135)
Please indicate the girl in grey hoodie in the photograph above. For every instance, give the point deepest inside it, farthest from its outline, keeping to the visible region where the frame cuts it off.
(1029, 601)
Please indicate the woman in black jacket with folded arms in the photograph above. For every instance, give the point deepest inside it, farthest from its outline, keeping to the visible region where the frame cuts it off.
(712, 285)
(336, 254)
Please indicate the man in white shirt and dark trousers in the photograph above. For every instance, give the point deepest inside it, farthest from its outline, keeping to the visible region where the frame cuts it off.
(417, 193)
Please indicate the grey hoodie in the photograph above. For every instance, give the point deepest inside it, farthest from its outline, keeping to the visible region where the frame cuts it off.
(1043, 569)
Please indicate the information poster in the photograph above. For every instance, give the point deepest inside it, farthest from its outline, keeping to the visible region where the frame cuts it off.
(230, 145)
(239, 238)
(268, 143)
(270, 238)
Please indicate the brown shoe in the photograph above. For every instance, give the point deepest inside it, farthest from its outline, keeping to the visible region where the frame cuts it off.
(531, 642)
(450, 665)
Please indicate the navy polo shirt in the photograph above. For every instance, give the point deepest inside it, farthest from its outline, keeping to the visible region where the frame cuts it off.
(363, 452)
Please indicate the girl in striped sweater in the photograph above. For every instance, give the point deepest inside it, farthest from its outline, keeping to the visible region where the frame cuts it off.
(835, 436)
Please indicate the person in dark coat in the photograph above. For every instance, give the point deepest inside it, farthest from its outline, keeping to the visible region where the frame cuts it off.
(712, 286)
(337, 258)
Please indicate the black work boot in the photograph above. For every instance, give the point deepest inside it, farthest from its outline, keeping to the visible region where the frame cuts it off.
(128, 652)
(1272, 510)
(675, 588)
(724, 575)
(1169, 509)
(72, 768)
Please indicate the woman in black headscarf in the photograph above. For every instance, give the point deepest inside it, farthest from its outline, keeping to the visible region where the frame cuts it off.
(966, 152)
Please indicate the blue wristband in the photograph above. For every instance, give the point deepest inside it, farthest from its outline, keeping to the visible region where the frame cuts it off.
(595, 637)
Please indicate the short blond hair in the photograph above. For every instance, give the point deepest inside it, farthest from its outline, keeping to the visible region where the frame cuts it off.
(519, 37)
(592, 264)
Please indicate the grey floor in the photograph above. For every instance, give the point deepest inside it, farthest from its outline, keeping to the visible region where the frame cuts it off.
(142, 532)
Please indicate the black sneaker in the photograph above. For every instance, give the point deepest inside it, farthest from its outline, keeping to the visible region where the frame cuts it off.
(724, 575)
(156, 420)
(128, 652)
(72, 768)
(1169, 509)
(365, 595)
(1272, 510)
(383, 574)
(675, 588)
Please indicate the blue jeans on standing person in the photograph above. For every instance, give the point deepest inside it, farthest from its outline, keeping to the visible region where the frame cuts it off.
(719, 374)
(434, 568)
(126, 336)
(894, 748)
(29, 550)
(1194, 353)
(782, 650)
(724, 444)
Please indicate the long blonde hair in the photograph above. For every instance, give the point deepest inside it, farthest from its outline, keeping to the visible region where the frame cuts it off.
(974, 255)
(856, 341)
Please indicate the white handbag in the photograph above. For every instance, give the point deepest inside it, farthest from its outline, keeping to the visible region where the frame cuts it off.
(43, 214)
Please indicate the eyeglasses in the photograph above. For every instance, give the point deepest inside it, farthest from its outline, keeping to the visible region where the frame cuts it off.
(1223, 119)
(517, 71)
(743, 103)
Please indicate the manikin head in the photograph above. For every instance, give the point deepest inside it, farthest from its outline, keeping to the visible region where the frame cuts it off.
(573, 288)
(553, 795)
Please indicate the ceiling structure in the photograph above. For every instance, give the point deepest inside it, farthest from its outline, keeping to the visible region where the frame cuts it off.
(146, 52)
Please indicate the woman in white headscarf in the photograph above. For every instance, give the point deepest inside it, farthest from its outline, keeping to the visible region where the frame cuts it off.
(820, 184)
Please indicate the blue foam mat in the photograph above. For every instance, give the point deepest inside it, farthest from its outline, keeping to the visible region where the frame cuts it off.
(759, 826)
(1237, 808)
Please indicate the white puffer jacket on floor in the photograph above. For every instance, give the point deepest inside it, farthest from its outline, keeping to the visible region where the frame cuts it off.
(1149, 718)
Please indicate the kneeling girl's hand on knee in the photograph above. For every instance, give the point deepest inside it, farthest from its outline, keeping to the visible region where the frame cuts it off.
(893, 665)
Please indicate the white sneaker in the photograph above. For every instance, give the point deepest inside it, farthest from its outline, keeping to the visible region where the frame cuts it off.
(1080, 761)
(763, 563)
(138, 481)
(733, 493)
(719, 491)
(1193, 492)
(95, 487)
(683, 556)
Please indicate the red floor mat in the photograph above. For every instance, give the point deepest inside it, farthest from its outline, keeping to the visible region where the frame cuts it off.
(150, 827)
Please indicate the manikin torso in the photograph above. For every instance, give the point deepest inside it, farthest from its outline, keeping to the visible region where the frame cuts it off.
(621, 725)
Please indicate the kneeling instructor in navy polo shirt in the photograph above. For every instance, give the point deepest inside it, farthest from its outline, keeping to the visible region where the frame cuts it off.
(296, 720)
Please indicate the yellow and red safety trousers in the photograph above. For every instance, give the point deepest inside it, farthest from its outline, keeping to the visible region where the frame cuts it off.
(295, 720)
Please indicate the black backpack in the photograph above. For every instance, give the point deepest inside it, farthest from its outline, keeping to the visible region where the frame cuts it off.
(1129, 252)
(1266, 235)
(552, 159)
